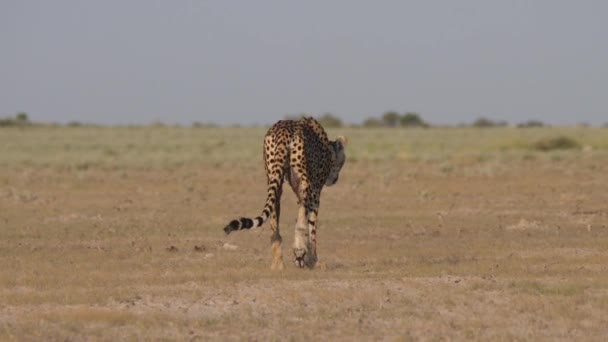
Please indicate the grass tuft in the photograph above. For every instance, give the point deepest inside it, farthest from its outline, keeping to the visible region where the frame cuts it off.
(556, 143)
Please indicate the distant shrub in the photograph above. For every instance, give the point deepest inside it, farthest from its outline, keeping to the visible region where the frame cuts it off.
(556, 143)
(74, 124)
(485, 123)
(372, 122)
(329, 120)
(391, 119)
(326, 120)
(531, 123)
(296, 117)
(20, 119)
(411, 119)
(157, 124)
(197, 124)
(7, 122)
(394, 119)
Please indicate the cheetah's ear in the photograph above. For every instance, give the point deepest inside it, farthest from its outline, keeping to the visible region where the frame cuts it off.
(342, 140)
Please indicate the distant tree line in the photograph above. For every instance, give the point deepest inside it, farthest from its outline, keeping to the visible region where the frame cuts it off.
(388, 119)
(391, 119)
(394, 119)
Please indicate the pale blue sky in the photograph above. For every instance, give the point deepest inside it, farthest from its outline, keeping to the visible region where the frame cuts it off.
(256, 61)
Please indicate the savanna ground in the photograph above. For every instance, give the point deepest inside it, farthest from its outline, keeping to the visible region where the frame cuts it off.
(438, 234)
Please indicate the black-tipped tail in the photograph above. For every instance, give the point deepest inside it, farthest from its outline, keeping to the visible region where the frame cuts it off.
(243, 223)
(233, 225)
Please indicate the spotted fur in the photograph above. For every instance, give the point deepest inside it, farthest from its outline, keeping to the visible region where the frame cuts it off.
(300, 152)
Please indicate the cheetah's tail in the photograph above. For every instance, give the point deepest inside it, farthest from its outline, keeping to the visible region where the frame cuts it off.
(273, 191)
(248, 223)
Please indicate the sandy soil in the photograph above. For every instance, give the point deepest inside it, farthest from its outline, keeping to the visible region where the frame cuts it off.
(408, 251)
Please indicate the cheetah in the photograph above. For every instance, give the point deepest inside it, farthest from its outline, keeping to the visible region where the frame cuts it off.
(300, 152)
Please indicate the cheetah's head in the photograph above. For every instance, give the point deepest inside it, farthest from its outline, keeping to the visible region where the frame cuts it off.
(338, 160)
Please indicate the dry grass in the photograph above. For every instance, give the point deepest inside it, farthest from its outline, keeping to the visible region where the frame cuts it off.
(449, 242)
